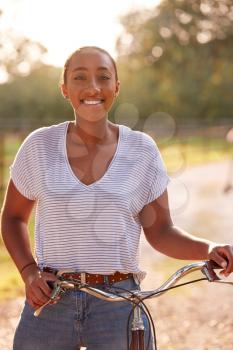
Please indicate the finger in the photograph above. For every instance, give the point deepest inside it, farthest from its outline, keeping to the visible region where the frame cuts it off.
(219, 259)
(33, 304)
(45, 284)
(39, 297)
(45, 288)
(48, 276)
(227, 253)
(55, 301)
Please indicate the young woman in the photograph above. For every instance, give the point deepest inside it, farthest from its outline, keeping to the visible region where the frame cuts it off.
(95, 185)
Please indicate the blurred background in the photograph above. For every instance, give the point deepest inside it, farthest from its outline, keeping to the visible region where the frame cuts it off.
(175, 66)
(174, 60)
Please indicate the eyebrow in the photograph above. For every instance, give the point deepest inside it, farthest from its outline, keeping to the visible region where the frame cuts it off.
(86, 69)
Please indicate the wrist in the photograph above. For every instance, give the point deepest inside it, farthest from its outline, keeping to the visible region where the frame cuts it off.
(212, 246)
(28, 273)
(202, 249)
(26, 266)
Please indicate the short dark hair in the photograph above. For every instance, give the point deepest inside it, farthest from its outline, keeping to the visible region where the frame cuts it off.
(66, 65)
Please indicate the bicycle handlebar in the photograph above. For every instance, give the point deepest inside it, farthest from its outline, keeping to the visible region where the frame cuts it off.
(206, 267)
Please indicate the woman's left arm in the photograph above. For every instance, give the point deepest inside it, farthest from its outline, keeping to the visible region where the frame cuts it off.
(170, 240)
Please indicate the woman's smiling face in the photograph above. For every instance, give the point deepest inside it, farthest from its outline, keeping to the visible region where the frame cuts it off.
(91, 84)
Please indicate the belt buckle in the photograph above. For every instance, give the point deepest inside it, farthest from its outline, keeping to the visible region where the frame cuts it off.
(83, 277)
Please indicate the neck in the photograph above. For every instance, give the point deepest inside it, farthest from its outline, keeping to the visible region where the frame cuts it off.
(91, 133)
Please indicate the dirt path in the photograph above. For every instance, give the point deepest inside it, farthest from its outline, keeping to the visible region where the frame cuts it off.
(196, 317)
(9, 313)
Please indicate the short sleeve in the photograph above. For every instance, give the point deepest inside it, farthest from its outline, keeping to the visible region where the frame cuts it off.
(22, 169)
(159, 178)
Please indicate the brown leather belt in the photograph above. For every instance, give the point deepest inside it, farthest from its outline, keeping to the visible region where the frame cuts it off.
(89, 278)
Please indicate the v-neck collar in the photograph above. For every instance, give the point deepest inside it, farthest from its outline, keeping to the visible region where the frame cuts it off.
(109, 167)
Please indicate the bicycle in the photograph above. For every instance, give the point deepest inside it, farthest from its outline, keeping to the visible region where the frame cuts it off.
(136, 297)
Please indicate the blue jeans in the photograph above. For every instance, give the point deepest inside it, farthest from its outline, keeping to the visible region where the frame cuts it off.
(78, 319)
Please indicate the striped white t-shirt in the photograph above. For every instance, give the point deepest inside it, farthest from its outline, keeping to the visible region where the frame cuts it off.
(91, 228)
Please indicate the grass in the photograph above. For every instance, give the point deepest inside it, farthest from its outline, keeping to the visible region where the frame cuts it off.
(177, 155)
(11, 284)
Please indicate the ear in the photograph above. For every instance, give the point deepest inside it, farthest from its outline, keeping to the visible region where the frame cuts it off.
(64, 91)
(117, 88)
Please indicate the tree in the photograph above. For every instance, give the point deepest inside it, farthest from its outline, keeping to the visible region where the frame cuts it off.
(178, 58)
(34, 100)
(18, 55)
(30, 95)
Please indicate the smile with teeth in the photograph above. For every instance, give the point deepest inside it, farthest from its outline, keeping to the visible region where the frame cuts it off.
(92, 102)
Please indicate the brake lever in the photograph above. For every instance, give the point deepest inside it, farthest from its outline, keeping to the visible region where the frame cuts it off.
(208, 270)
(214, 265)
(56, 291)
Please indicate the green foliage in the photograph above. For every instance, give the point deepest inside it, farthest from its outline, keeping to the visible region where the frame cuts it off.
(34, 100)
(31, 96)
(178, 59)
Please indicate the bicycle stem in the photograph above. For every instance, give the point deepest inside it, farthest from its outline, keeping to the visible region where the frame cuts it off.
(137, 323)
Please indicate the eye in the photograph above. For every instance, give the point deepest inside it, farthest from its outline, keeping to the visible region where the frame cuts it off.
(104, 77)
(79, 77)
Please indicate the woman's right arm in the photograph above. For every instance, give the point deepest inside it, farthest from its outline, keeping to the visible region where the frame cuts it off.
(14, 226)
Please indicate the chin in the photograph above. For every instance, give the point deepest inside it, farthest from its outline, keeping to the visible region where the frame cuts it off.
(93, 118)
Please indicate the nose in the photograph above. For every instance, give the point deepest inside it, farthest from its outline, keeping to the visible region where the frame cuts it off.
(93, 86)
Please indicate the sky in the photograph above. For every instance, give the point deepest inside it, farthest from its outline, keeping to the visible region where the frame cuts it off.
(64, 25)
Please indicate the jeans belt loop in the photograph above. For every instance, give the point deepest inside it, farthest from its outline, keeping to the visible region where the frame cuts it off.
(83, 278)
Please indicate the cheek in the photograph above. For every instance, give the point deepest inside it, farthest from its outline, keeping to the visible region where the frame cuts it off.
(111, 91)
(74, 86)
(74, 93)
